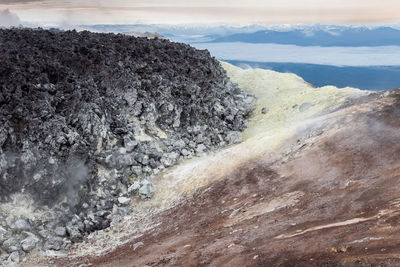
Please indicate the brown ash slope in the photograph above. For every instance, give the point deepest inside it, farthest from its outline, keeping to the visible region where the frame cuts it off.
(84, 116)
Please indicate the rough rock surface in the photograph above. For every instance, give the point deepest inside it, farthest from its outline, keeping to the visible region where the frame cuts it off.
(332, 200)
(85, 116)
(312, 188)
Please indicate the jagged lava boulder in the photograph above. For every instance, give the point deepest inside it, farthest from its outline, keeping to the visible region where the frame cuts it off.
(84, 116)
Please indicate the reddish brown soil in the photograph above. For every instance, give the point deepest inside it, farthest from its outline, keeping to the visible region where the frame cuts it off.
(344, 210)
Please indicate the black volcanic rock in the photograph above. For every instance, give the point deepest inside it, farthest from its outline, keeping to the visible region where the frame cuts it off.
(84, 113)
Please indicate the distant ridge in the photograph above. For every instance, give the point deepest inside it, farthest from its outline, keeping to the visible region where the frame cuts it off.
(338, 36)
(363, 77)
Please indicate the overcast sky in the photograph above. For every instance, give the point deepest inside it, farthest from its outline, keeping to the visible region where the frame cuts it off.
(73, 12)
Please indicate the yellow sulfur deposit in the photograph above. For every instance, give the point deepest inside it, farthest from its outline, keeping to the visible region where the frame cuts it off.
(292, 104)
(287, 98)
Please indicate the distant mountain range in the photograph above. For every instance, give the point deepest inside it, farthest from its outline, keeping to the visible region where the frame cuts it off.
(182, 32)
(337, 36)
(366, 77)
(301, 35)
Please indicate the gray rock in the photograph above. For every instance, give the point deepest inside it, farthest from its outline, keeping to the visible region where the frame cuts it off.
(52, 160)
(249, 98)
(122, 150)
(60, 231)
(122, 188)
(72, 137)
(264, 110)
(147, 170)
(122, 211)
(192, 144)
(201, 148)
(137, 170)
(131, 96)
(38, 176)
(3, 136)
(137, 108)
(219, 108)
(3, 161)
(53, 243)
(142, 158)
(88, 224)
(12, 244)
(49, 87)
(146, 190)
(154, 164)
(134, 187)
(74, 233)
(130, 145)
(29, 243)
(185, 152)
(28, 157)
(234, 137)
(180, 144)
(123, 161)
(44, 233)
(177, 119)
(76, 222)
(14, 257)
(169, 159)
(21, 225)
(3, 234)
(4, 257)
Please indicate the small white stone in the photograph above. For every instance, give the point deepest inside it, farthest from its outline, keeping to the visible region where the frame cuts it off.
(37, 177)
(122, 150)
(124, 200)
(138, 244)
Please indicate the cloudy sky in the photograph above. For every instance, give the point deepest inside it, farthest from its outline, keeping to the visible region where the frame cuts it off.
(73, 12)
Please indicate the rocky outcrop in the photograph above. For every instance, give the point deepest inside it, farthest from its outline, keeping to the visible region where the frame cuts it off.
(87, 119)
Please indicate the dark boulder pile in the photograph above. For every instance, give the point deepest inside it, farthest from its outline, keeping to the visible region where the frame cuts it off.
(87, 119)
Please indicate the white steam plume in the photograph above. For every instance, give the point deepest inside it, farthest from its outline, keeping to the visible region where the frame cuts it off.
(9, 19)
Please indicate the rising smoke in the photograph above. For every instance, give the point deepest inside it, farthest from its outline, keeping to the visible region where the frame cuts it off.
(9, 19)
(76, 175)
